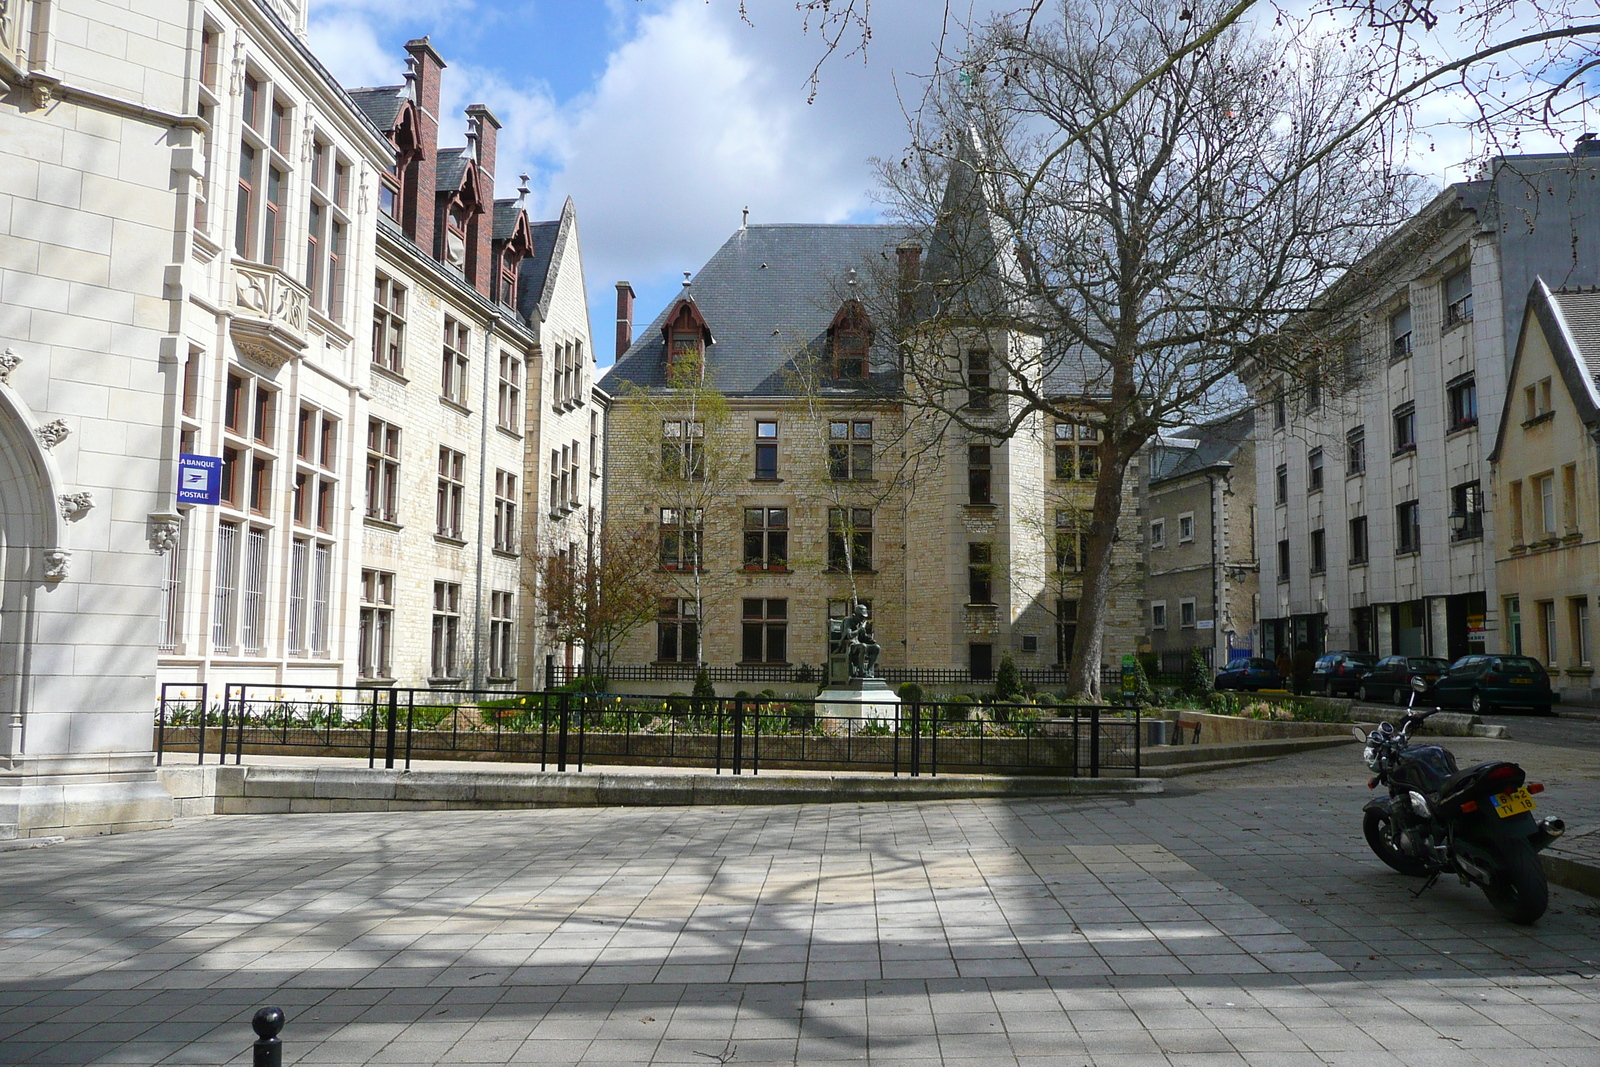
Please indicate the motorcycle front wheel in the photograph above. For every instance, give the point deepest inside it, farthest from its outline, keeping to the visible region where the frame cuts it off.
(1519, 891)
(1377, 828)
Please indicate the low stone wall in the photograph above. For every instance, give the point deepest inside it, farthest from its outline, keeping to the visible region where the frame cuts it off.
(1232, 729)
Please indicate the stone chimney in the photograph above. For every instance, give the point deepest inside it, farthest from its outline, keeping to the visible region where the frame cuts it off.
(909, 254)
(624, 318)
(422, 173)
(480, 231)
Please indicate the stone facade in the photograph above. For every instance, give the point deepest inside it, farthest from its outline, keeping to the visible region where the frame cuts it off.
(96, 149)
(1546, 489)
(1199, 543)
(1390, 554)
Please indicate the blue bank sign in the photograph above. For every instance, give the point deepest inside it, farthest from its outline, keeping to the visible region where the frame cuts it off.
(199, 479)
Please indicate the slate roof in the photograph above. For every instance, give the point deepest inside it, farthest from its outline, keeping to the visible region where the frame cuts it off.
(452, 165)
(1580, 308)
(506, 213)
(1216, 443)
(768, 294)
(535, 270)
(382, 105)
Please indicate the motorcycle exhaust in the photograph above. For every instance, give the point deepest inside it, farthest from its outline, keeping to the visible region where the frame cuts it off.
(1549, 829)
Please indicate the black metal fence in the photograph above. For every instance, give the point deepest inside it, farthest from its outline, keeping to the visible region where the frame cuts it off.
(568, 730)
(805, 674)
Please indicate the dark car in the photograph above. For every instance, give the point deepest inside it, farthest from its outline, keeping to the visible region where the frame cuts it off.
(1249, 674)
(1488, 683)
(1341, 672)
(1391, 678)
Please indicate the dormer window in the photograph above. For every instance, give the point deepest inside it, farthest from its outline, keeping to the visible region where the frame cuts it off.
(455, 237)
(850, 338)
(686, 336)
(508, 278)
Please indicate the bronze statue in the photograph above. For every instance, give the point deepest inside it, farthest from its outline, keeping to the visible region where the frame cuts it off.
(854, 638)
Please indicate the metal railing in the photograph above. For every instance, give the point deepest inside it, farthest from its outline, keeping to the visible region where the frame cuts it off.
(568, 730)
(806, 674)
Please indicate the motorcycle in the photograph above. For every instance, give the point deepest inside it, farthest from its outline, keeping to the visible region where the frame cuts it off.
(1477, 824)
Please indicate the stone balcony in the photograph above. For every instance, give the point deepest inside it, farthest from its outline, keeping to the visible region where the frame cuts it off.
(269, 314)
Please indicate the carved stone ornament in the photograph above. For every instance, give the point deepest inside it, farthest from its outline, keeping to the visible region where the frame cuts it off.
(53, 433)
(164, 533)
(9, 361)
(74, 505)
(56, 563)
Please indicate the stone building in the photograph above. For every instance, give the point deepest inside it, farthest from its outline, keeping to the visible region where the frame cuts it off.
(787, 475)
(1546, 488)
(1370, 472)
(99, 145)
(1200, 543)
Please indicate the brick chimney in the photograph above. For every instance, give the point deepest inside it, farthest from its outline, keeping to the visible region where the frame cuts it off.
(624, 317)
(909, 254)
(480, 231)
(422, 174)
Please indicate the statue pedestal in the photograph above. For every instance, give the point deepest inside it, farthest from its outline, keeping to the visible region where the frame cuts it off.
(860, 698)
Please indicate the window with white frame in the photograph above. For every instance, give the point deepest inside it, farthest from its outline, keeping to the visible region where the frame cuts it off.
(1186, 527)
(1547, 620)
(683, 449)
(509, 406)
(450, 502)
(680, 532)
(1158, 533)
(376, 641)
(850, 450)
(505, 511)
(1545, 489)
(444, 662)
(1580, 631)
(1158, 614)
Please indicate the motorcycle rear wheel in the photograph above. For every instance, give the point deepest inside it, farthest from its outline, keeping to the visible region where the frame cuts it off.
(1519, 891)
(1375, 826)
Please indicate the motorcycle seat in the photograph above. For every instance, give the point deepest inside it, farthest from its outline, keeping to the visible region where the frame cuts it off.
(1453, 783)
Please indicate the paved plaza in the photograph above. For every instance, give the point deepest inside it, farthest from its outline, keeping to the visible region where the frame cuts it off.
(1236, 919)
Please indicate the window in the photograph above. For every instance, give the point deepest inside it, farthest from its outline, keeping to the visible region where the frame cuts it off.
(851, 339)
(1158, 533)
(446, 631)
(1408, 528)
(683, 450)
(850, 450)
(1466, 512)
(1354, 361)
(169, 627)
(681, 530)
(1537, 397)
(1405, 427)
(1545, 487)
(389, 325)
(1066, 630)
(1280, 494)
(1514, 624)
(1314, 470)
(376, 638)
(1280, 409)
(1547, 621)
(979, 393)
(1186, 527)
(453, 365)
(980, 662)
(1319, 554)
(766, 539)
(1186, 613)
(505, 512)
(262, 421)
(677, 631)
(1069, 541)
(1355, 451)
(321, 596)
(1569, 498)
(326, 230)
(260, 485)
(253, 624)
(980, 573)
(979, 473)
(502, 661)
(766, 630)
(1516, 513)
(452, 493)
(1400, 334)
(1358, 540)
(383, 471)
(1458, 297)
(1313, 389)
(1580, 631)
(1158, 614)
(849, 539)
(210, 66)
(1283, 561)
(299, 580)
(509, 407)
(1463, 400)
(766, 451)
(1077, 452)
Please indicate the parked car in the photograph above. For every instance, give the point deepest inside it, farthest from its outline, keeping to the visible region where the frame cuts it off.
(1488, 683)
(1251, 674)
(1341, 672)
(1391, 678)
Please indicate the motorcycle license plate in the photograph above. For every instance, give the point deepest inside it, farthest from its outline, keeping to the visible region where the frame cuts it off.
(1513, 803)
(1522, 681)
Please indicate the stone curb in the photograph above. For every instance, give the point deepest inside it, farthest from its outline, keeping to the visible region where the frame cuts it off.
(1571, 872)
(18, 844)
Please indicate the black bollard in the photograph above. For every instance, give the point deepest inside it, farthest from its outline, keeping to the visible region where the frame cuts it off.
(269, 1046)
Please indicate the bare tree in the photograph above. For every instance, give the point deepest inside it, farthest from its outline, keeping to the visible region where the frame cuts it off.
(599, 600)
(1135, 240)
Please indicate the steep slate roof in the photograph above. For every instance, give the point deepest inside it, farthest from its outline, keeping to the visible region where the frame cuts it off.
(1570, 321)
(768, 294)
(452, 165)
(536, 278)
(1217, 443)
(506, 213)
(1580, 308)
(382, 105)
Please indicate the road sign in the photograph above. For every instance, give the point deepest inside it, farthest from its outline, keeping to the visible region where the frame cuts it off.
(199, 479)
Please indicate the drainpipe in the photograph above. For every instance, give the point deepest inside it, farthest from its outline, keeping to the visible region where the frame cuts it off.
(483, 480)
(1216, 578)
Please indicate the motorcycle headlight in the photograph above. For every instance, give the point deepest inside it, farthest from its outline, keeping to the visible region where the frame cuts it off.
(1370, 755)
(1419, 804)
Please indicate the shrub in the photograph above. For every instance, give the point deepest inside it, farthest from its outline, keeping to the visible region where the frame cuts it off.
(910, 693)
(705, 694)
(678, 703)
(1201, 681)
(1007, 681)
(805, 674)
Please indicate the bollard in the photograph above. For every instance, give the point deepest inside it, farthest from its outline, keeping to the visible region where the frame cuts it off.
(268, 1046)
